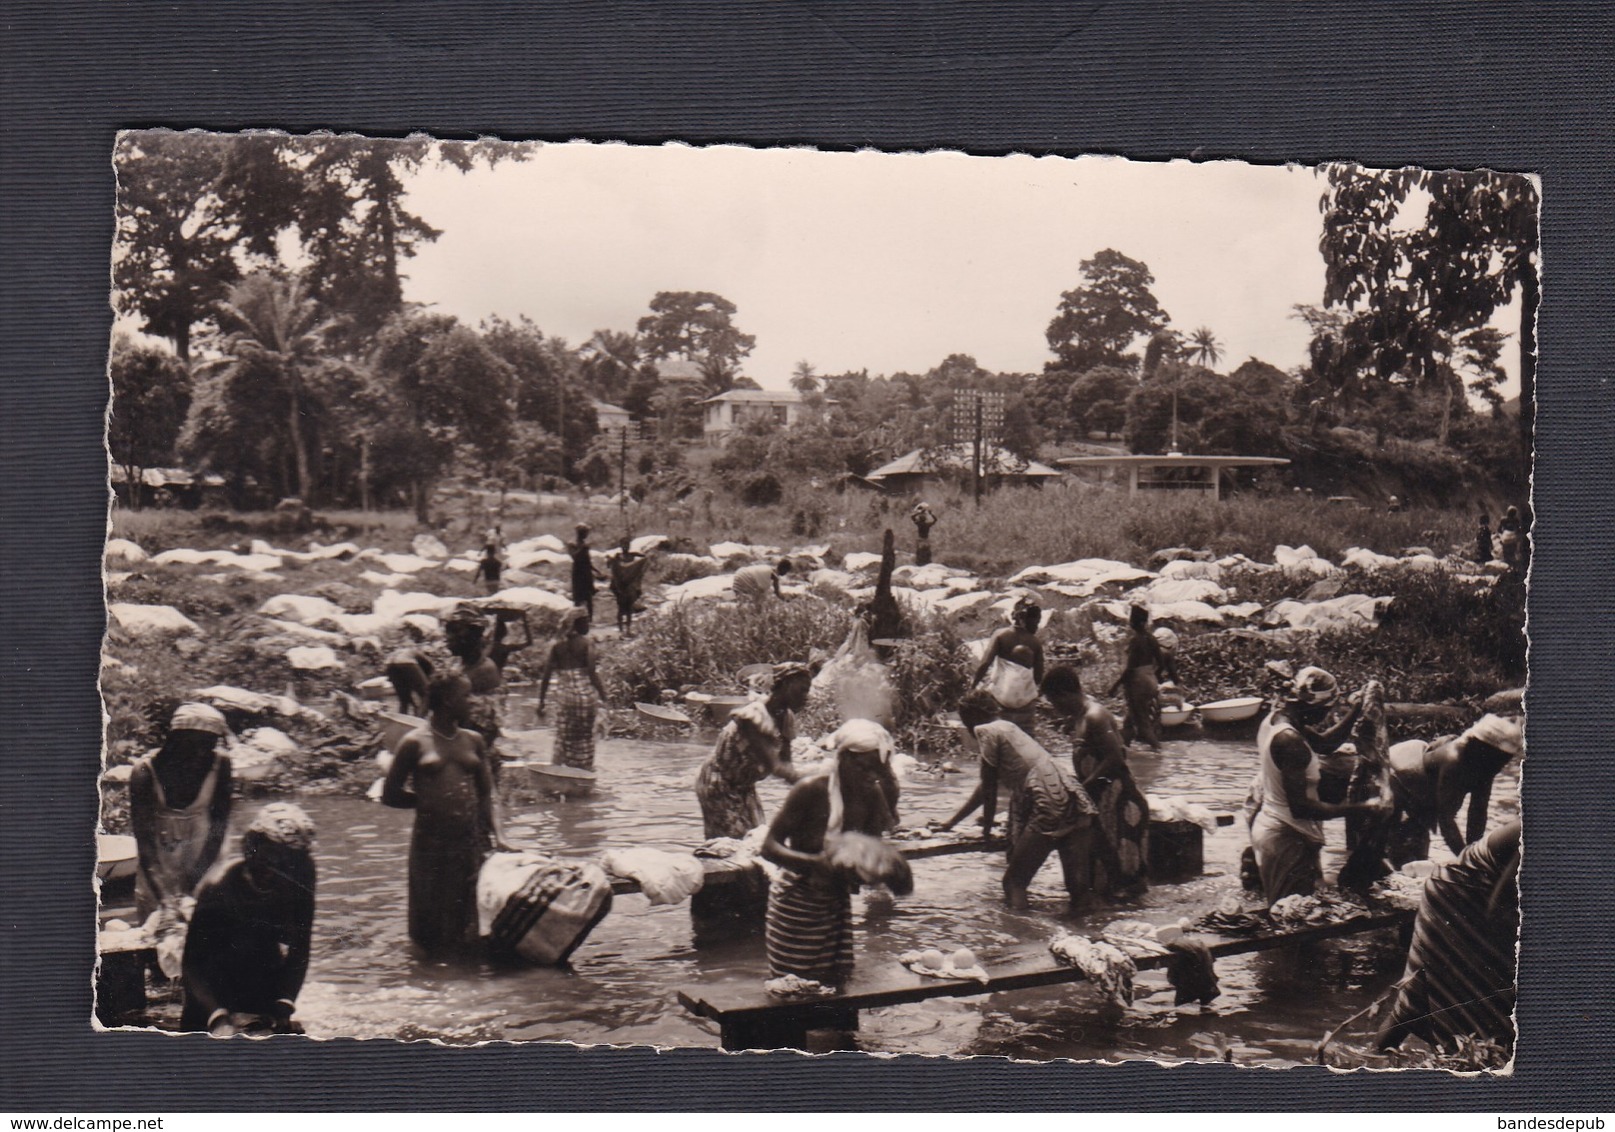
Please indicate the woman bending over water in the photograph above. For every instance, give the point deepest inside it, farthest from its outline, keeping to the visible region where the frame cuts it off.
(446, 767)
(809, 928)
(755, 743)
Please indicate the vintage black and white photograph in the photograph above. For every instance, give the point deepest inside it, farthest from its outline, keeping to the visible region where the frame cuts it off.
(753, 599)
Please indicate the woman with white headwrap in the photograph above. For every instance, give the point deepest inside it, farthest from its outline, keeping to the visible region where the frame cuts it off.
(809, 927)
(1429, 782)
(578, 691)
(179, 807)
(247, 948)
(1287, 828)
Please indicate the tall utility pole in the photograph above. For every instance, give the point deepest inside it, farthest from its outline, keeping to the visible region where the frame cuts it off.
(622, 478)
(978, 420)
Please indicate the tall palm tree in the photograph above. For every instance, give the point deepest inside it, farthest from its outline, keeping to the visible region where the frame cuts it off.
(275, 332)
(1204, 347)
(804, 379)
(610, 360)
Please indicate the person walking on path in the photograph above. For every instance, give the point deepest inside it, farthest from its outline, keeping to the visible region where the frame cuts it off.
(584, 574)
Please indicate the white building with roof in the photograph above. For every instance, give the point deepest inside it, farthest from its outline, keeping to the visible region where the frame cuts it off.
(732, 410)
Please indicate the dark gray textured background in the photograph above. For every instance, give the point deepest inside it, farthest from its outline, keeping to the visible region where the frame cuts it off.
(1512, 85)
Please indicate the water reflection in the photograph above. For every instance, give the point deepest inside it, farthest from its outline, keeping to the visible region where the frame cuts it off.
(368, 980)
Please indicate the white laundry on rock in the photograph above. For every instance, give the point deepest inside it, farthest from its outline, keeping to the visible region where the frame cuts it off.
(303, 609)
(313, 658)
(123, 549)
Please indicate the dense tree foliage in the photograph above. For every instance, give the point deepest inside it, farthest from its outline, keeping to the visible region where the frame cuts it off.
(151, 395)
(1098, 322)
(1418, 261)
(698, 326)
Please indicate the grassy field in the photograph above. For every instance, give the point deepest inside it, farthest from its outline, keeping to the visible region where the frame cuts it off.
(1014, 527)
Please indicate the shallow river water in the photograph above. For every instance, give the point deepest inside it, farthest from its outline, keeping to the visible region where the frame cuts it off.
(367, 980)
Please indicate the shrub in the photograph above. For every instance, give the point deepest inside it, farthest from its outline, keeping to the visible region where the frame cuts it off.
(762, 490)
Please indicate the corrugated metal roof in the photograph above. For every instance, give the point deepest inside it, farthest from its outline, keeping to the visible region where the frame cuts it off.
(768, 396)
(956, 457)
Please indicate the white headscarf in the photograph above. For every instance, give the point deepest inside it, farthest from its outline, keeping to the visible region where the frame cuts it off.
(853, 735)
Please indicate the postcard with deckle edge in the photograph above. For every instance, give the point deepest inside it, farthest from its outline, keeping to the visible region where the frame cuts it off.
(764, 598)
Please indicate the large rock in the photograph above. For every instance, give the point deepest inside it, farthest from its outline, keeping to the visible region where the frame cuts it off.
(429, 546)
(123, 549)
(151, 620)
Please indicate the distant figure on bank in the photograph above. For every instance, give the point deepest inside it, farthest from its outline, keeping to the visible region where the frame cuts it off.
(1287, 828)
(1048, 812)
(179, 807)
(1511, 536)
(442, 772)
(755, 584)
(1393, 506)
(584, 575)
(924, 519)
(489, 568)
(627, 584)
(809, 921)
(1120, 844)
(1429, 782)
(247, 946)
(754, 744)
(1015, 658)
(1460, 977)
(408, 671)
(1146, 665)
(578, 691)
(1484, 550)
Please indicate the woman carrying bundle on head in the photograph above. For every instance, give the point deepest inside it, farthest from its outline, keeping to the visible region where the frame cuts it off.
(578, 692)
(827, 838)
(1015, 658)
(1049, 812)
(1121, 843)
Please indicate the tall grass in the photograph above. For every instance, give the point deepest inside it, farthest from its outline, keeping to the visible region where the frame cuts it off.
(1014, 527)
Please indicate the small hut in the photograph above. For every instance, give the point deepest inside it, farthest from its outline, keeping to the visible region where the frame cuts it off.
(923, 466)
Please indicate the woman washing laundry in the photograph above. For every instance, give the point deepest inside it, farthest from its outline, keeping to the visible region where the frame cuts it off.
(179, 807)
(1286, 828)
(465, 634)
(1049, 812)
(809, 921)
(571, 663)
(1430, 782)
(1099, 757)
(1015, 658)
(754, 744)
(247, 947)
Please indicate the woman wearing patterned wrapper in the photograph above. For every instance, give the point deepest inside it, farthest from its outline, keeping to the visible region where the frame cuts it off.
(578, 692)
(247, 948)
(755, 743)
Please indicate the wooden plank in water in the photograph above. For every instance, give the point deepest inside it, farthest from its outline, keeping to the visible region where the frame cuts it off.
(746, 1013)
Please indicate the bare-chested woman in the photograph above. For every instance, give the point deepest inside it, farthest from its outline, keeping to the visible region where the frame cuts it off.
(1015, 657)
(450, 789)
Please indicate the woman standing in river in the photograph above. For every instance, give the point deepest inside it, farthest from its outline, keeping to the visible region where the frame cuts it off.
(1140, 680)
(441, 772)
(578, 691)
(179, 807)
